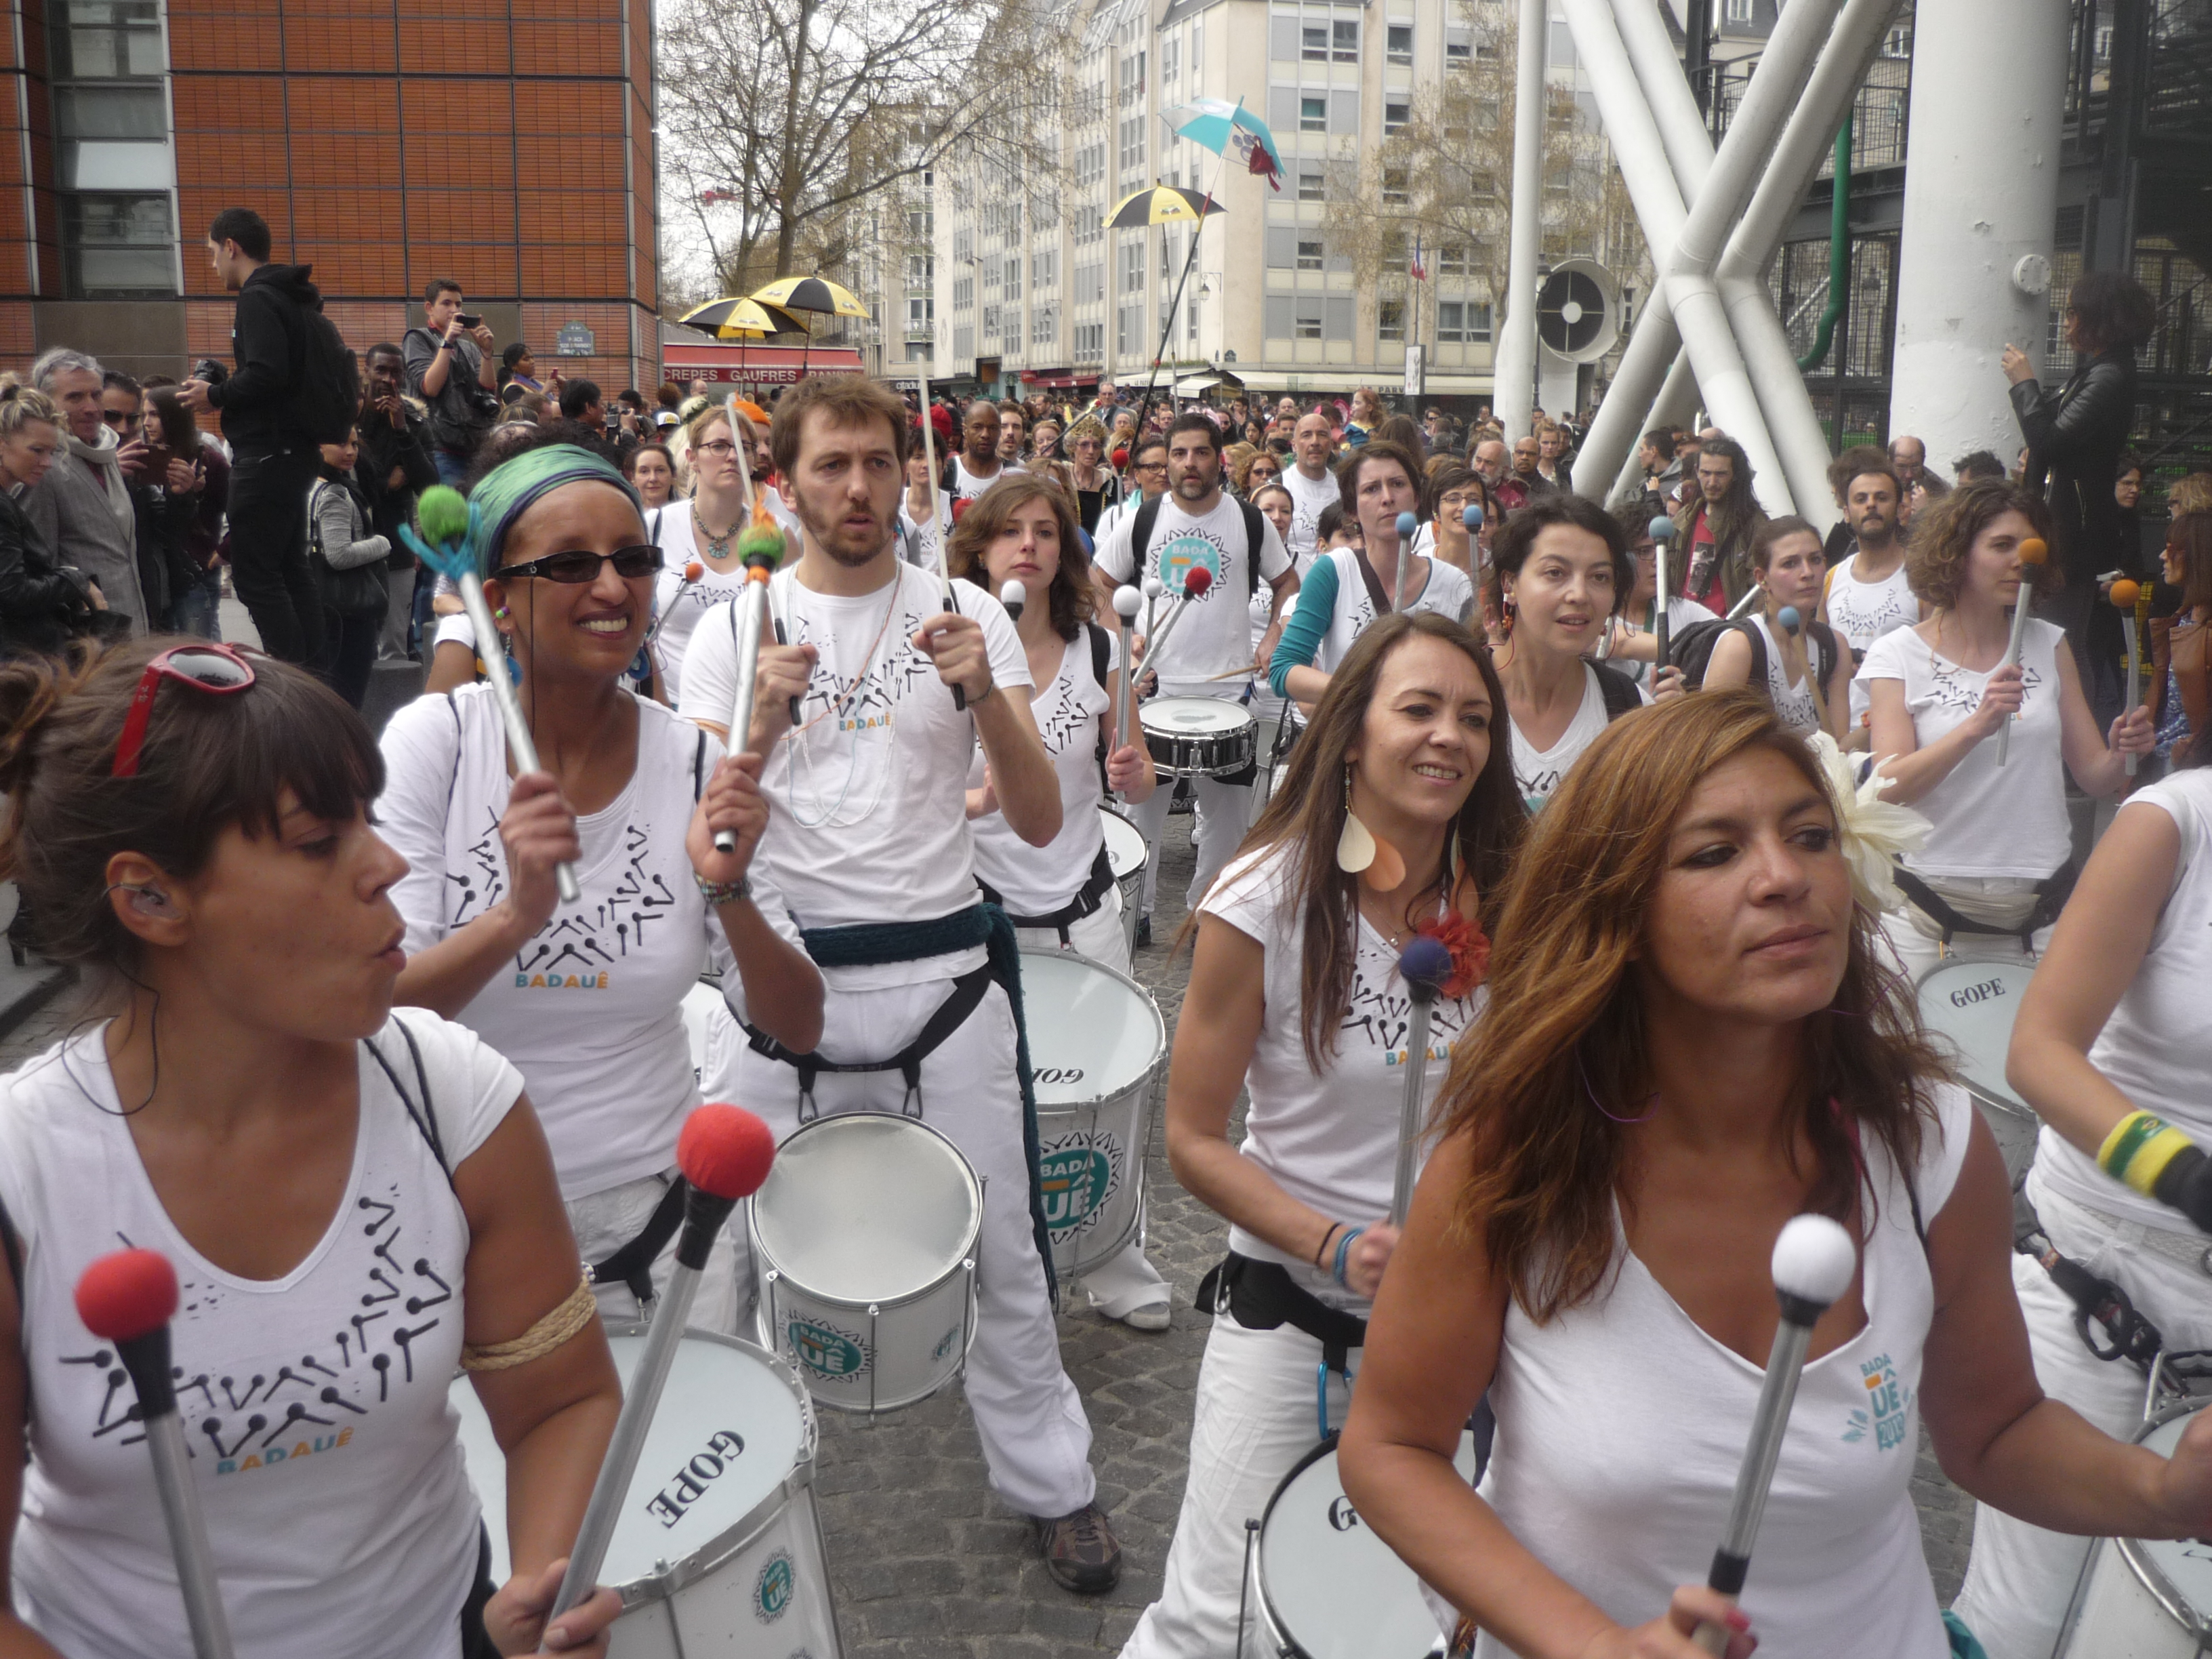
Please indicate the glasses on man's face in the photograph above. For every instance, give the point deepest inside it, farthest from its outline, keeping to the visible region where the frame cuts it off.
(579, 565)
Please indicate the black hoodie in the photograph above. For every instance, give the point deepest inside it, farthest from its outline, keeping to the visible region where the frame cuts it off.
(268, 339)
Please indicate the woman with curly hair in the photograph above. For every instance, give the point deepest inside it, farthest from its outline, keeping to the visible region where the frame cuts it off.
(1996, 867)
(1691, 1039)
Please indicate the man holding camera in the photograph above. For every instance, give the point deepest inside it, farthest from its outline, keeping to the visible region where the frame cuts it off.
(450, 367)
(398, 462)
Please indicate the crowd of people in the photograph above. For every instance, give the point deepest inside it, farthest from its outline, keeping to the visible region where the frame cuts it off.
(1679, 896)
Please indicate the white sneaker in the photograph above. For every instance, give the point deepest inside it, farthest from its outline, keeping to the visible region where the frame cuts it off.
(1147, 1316)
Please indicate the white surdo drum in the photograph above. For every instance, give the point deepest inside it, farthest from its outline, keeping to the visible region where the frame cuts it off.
(2145, 1598)
(1126, 856)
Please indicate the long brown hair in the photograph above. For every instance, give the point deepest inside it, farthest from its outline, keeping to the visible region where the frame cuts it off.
(981, 521)
(1565, 1028)
(1308, 811)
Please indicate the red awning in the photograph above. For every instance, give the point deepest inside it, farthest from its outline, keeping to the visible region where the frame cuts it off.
(737, 362)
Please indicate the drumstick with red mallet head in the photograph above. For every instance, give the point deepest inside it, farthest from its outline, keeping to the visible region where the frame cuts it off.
(725, 1152)
(128, 1298)
(2032, 552)
(2123, 593)
(1196, 581)
(1425, 964)
(1813, 1259)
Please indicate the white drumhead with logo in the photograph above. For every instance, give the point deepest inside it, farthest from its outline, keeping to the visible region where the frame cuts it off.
(1970, 1008)
(1193, 717)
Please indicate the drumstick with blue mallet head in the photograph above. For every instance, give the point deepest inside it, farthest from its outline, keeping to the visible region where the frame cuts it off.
(2123, 593)
(2032, 552)
(451, 532)
(944, 569)
(1425, 964)
(1813, 1263)
(1791, 624)
(1662, 534)
(724, 1153)
(127, 1297)
(1196, 582)
(1409, 527)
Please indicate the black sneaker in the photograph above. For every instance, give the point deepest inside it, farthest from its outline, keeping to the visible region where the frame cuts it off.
(1144, 931)
(1081, 1551)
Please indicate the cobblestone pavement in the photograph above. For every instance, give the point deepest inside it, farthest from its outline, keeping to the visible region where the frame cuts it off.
(929, 1564)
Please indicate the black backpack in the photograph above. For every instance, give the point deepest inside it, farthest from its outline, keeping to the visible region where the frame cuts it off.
(1255, 538)
(1690, 649)
(326, 399)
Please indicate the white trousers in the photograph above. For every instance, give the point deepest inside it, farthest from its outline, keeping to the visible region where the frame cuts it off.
(1224, 812)
(1258, 1413)
(1037, 1440)
(2021, 1579)
(1126, 1280)
(1916, 952)
(603, 1222)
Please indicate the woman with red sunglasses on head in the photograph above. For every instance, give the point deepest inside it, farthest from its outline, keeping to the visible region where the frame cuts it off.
(189, 827)
(585, 999)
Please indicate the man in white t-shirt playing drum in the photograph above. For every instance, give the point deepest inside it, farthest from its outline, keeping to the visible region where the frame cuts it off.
(1312, 485)
(1195, 524)
(1867, 594)
(873, 858)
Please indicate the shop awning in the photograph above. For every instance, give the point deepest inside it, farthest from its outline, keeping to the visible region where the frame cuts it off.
(721, 363)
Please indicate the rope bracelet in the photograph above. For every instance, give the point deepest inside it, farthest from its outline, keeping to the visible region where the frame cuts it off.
(552, 1331)
(1343, 1254)
(719, 893)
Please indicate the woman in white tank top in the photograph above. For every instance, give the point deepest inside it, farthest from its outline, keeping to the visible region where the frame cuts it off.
(1788, 564)
(2110, 1032)
(356, 1204)
(1691, 1039)
(1940, 694)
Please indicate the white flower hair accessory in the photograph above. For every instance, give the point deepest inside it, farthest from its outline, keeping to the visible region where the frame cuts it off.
(1872, 831)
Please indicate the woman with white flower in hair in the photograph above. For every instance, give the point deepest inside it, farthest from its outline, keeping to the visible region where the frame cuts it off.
(1691, 1039)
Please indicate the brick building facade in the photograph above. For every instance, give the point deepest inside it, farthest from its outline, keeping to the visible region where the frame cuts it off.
(506, 144)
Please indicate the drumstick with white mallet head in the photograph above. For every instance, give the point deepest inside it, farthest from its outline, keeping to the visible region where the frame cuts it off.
(2123, 593)
(2032, 552)
(944, 569)
(1662, 533)
(1127, 603)
(1196, 582)
(1154, 588)
(446, 545)
(1813, 1263)
(127, 1297)
(725, 1152)
(1425, 964)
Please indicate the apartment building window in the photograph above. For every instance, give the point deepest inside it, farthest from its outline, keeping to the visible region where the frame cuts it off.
(1044, 325)
(920, 268)
(921, 314)
(921, 224)
(1307, 326)
(1459, 44)
(1462, 321)
(1014, 277)
(1133, 267)
(1197, 48)
(1398, 45)
(1390, 321)
(1451, 259)
(1090, 340)
(1738, 11)
(1309, 254)
(1396, 112)
(111, 122)
(963, 246)
(963, 293)
(1170, 59)
(1312, 43)
(1313, 114)
(1044, 267)
(1344, 40)
(1133, 145)
(1128, 330)
(990, 322)
(1396, 191)
(1309, 184)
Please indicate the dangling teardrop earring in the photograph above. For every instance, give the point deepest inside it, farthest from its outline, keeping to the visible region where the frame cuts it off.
(1360, 852)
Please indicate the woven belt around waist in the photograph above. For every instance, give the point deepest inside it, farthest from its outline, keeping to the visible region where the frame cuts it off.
(1262, 1296)
(1087, 902)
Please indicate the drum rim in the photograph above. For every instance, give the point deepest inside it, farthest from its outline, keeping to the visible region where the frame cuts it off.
(1283, 1639)
(1160, 1055)
(734, 1539)
(965, 1257)
(2162, 1590)
(1227, 704)
(2013, 1108)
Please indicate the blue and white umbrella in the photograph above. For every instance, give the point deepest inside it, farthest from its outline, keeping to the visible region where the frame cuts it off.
(1228, 130)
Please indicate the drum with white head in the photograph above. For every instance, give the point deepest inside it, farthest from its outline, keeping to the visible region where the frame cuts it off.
(1969, 1008)
(1097, 1044)
(2145, 1598)
(864, 1241)
(1199, 737)
(717, 1551)
(1126, 856)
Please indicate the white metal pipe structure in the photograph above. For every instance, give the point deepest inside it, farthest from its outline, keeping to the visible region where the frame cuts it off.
(1666, 89)
(1981, 203)
(1798, 435)
(1515, 377)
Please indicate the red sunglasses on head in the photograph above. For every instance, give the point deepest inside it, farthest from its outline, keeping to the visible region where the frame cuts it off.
(215, 668)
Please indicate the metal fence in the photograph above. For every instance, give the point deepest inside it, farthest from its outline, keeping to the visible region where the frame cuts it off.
(1879, 113)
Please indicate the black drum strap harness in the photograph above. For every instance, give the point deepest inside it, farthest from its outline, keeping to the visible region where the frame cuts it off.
(1087, 902)
(2050, 895)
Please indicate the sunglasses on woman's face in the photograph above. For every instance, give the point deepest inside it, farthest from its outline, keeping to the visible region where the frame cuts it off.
(579, 566)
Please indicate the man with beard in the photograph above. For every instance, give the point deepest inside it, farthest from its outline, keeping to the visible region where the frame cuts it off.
(1195, 524)
(976, 467)
(1716, 523)
(1311, 484)
(868, 852)
(1489, 458)
(1867, 594)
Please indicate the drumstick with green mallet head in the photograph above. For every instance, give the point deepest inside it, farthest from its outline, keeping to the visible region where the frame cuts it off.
(2032, 552)
(452, 533)
(2123, 593)
(1813, 1263)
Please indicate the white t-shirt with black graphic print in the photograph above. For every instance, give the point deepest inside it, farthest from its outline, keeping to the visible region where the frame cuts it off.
(1329, 1140)
(324, 1453)
(1036, 881)
(1310, 499)
(868, 796)
(591, 1007)
(1215, 637)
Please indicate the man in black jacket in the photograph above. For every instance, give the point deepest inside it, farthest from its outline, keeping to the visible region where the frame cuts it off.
(272, 461)
(396, 466)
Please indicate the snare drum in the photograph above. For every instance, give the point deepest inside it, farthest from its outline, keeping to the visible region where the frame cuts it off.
(2144, 1598)
(1969, 1008)
(1199, 737)
(1097, 1045)
(717, 1551)
(1329, 1589)
(1126, 854)
(864, 1239)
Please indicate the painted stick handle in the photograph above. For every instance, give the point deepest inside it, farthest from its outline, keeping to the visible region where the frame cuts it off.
(751, 604)
(2020, 615)
(510, 708)
(2135, 678)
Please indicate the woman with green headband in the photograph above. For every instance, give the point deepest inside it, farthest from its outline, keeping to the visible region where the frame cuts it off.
(585, 999)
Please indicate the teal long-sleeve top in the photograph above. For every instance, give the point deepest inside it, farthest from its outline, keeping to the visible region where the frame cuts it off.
(1308, 626)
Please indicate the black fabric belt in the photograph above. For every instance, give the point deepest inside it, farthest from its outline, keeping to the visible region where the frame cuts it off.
(1087, 902)
(967, 993)
(632, 1265)
(1262, 1296)
(2050, 895)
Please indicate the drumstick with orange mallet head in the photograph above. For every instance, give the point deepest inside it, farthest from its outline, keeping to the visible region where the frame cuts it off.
(127, 1297)
(2032, 552)
(725, 1152)
(2124, 593)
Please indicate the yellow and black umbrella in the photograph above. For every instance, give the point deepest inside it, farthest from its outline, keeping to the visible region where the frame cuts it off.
(738, 318)
(1161, 204)
(812, 294)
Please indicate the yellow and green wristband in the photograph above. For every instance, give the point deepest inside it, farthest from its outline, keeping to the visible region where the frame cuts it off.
(2159, 1162)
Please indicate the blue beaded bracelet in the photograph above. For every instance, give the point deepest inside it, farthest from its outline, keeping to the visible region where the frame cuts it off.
(1344, 1254)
